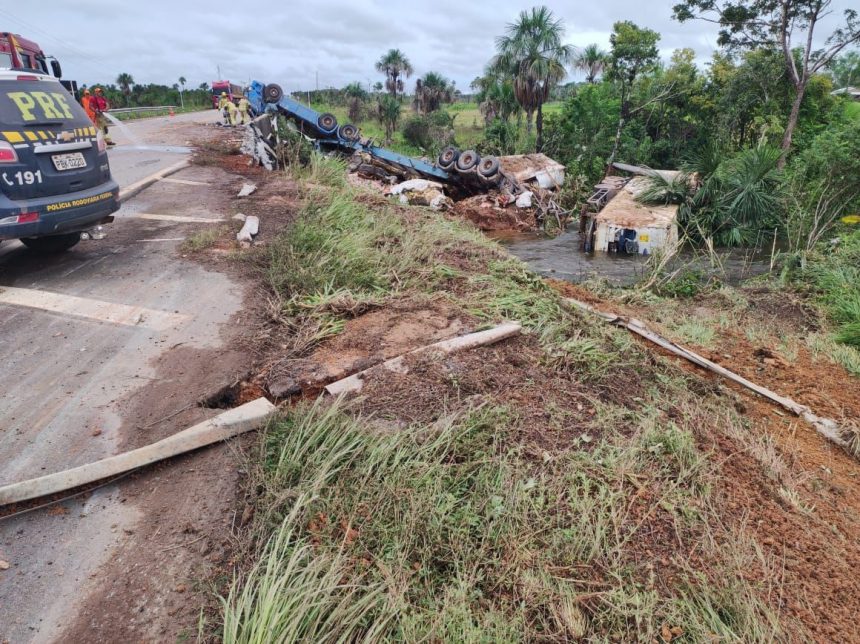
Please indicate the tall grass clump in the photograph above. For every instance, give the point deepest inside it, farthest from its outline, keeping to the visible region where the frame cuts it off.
(834, 273)
(450, 531)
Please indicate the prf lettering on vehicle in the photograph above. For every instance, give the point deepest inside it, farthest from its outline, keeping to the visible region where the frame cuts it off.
(41, 106)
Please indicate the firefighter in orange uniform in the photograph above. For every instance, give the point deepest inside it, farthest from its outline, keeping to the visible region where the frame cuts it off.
(86, 101)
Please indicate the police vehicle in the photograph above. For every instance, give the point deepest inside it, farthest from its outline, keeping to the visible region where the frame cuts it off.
(55, 181)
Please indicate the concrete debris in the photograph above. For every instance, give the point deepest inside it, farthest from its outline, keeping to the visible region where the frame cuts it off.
(249, 230)
(247, 189)
(239, 216)
(524, 200)
(421, 192)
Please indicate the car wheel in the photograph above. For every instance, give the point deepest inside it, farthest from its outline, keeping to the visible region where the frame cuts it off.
(467, 160)
(53, 243)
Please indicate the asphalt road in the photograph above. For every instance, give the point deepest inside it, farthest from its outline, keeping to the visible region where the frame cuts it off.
(79, 334)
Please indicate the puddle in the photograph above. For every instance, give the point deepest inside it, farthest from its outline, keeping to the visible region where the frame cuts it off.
(561, 258)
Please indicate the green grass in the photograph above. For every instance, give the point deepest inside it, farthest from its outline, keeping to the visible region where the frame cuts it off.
(852, 109)
(835, 276)
(448, 532)
(202, 239)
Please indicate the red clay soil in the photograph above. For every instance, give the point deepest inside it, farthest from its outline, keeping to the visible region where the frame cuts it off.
(819, 550)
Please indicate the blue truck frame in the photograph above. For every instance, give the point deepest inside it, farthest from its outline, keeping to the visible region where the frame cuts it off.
(338, 137)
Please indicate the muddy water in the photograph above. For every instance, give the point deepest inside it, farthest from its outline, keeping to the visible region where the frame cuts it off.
(561, 258)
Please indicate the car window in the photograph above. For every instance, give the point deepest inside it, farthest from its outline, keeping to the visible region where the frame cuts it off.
(5, 60)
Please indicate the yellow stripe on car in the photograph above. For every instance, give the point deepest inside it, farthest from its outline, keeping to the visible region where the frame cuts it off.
(31, 136)
(14, 137)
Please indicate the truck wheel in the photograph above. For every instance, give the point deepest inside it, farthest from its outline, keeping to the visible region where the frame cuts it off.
(272, 93)
(327, 123)
(448, 157)
(53, 243)
(488, 167)
(348, 132)
(467, 160)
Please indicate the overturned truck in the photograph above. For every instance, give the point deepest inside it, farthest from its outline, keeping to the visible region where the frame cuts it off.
(464, 172)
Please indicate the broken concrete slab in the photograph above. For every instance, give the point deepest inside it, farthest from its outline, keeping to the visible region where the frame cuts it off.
(247, 189)
(249, 230)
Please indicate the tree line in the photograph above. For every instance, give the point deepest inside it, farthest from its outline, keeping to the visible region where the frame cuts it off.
(124, 92)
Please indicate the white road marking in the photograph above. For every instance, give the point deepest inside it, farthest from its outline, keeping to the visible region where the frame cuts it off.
(162, 239)
(190, 220)
(91, 309)
(185, 182)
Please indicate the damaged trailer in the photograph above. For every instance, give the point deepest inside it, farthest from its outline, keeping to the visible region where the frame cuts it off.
(620, 223)
(462, 172)
(465, 172)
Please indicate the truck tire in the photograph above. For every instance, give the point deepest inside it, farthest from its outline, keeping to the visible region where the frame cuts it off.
(488, 167)
(348, 132)
(448, 157)
(53, 243)
(327, 123)
(272, 93)
(467, 160)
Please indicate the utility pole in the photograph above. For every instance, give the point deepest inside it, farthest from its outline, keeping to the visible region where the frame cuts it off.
(318, 80)
(219, 72)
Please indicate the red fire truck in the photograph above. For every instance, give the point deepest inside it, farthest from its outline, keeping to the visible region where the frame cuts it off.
(16, 52)
(233, 91)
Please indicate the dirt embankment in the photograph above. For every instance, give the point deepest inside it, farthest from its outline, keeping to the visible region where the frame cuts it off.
(807, 511)
(781, 519)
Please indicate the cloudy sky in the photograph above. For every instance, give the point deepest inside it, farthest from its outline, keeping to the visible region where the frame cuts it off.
(296, 43)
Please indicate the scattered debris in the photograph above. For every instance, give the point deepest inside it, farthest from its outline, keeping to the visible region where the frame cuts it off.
(247, 189)
(825, 426)
(239, 216)
(525, 200)
(4, 565)
(420, 192)
(533, 168)
(249, 230)
(355, 382)
(231, 423)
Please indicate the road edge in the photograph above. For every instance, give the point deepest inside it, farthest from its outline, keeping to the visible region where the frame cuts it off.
(130, 191)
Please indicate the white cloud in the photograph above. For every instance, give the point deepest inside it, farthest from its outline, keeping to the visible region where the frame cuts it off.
(158, 41)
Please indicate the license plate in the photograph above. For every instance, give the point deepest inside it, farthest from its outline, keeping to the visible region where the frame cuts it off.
(71, 161)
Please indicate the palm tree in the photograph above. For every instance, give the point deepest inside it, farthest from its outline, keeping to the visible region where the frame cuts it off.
(495, 97)
(532, 55)
(355, 97)
(388, 113)
(592, 60)
(125, 81)
(395, 65)
(182, 82)
(431, 91)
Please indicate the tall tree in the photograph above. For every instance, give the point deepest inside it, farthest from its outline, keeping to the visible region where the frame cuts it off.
(787, 25)
(355, 97)
(182, 81)
(395, 65)
(125, 82)
(592, 60)
(431, 92)
(532, 54)
(495, 97)
(634, 51)
(846, 70)
(388, 114)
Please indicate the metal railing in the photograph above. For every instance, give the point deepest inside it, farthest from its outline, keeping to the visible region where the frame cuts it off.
(141, 110)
